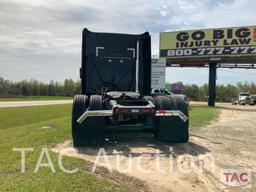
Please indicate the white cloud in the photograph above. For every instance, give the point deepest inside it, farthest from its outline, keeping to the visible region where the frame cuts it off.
(164, 10)
(46, 32)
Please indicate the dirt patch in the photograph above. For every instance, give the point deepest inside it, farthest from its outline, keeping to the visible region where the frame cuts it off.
(133, 183)
(230, 142)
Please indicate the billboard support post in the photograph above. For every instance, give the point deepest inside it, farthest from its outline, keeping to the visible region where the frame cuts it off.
(212, 83)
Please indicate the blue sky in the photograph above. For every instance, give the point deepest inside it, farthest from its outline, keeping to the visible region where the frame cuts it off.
(41, 39)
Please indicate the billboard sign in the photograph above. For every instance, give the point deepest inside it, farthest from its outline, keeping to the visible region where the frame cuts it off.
(209, 42)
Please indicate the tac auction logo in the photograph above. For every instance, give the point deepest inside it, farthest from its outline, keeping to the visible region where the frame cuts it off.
(235, 178)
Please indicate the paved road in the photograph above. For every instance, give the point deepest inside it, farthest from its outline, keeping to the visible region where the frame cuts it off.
(33, 103)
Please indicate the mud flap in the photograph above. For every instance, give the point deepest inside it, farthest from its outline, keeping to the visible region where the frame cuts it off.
(92, 131)
(172, 130)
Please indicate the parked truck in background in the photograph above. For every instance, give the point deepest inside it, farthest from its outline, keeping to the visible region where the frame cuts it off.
(244, 98)
(254, 99)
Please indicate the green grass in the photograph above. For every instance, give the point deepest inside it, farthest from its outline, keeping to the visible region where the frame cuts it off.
(12, 117)
(34, 98)
(201, 115)
(23, 127)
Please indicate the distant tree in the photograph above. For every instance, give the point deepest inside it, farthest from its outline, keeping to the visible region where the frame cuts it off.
(4, 87)
(192, 91)
(247, 87)
(69, 87)
(24, 91)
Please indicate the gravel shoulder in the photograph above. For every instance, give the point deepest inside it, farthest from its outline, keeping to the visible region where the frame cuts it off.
(229, 143)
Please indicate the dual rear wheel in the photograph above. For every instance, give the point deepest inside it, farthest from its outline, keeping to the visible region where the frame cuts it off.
(169, 129)
(92, 130)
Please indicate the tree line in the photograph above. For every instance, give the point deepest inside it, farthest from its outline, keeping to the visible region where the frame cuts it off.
(36, 88)
(69, 87)
(224, 93)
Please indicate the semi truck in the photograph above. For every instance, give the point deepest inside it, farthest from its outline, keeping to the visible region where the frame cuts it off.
(243, 99)
(116, 92)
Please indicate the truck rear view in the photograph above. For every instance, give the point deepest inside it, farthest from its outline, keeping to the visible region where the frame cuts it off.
(116, 92)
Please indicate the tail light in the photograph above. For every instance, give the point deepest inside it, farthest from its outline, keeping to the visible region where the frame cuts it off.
(120, 110)
(162, 111)
(148, 110)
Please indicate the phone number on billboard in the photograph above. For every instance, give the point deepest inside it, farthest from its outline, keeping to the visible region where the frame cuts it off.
(209, 51)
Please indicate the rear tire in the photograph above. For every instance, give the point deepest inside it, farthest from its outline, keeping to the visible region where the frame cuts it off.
(150, 98)
(165, 102)
(183, 107)
(95, 103)
(95, 126)
(171, 129)
(181, 104)
(92, 130)
(79, 107)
